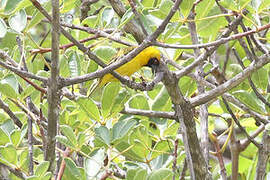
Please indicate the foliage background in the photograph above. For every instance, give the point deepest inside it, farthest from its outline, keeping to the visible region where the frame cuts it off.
(118, 132)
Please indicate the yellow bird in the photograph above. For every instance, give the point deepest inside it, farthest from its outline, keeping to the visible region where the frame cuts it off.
(148, 57)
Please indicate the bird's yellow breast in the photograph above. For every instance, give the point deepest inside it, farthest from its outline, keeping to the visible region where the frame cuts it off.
(132, 66)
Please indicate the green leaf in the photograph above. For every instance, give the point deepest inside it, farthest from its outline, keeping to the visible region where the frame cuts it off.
(64, 140)
(38, 16)
(267, 107)
(161, 174)
(94, 164)
(103, 133)
(18, 21)
(249, 99)
(74, 64)
(162, 102)
(131, 153)
(161, 147)
(107, 16)
(119, 102)
(204, 8)
(121, 128)
(89, 107)
(68, 132)
(161, 161)
(71, 166)
(81, 139)
(264, 5)
(9, 86)
(10, 5)
(4, 137)
(187, 86)
(260, 78)
(126, 18)
(141, 174)
(22, 5)
(3, 28)
(108, 97)
(105, 52)
(9, 153)
(164, 10)
(15, 137)
(90, 21)
(131, 173)
(42, 168)
(139, 102)
(229, 4)
(47, 176)
(210, 28)
(185, 7)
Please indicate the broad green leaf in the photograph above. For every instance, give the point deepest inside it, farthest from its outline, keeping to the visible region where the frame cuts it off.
(141, 174)
(121, 128)
(12, 81)
(250, 100)
(38, 16)
(81, 139)
(210, 28)
(10, 5)
(74, 64)
(260, 78)
(103, 133)
(187, 85)
(161, 147)
(108, 97)
(47, 176)
(92, 66)
(203, 8)
(71, 166)
(267, 107)
(18, 21)
(9, 153)
(89, 107)
(15, 137)
(94, 163)
(139, 102)
(161, 174)
(229, 4)
(185, 7)
(119, 102)
(3, 28)
(42, 168)
(22, 5)
(264, 5)
(90, 21)
(23, 160)
(161, 161)
(164, 10)
(126, 18)
(64, 140)
(107, 16)
(4, 137)
(7, 90)
(162, 102)
(68, 5)
(68, 132)
(105, 52)
(128, 151)
(131, 173)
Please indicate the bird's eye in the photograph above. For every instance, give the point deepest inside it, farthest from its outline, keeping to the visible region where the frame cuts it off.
(152, 61)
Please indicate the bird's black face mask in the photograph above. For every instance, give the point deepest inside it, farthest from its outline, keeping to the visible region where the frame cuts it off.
(153, 63)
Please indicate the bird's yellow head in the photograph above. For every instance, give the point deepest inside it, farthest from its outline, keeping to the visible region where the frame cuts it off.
(151, 58)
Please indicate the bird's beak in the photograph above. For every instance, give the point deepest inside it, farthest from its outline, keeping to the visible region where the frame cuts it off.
(154, 68)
